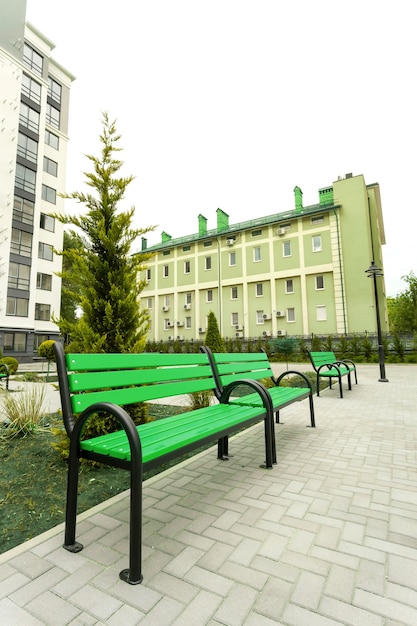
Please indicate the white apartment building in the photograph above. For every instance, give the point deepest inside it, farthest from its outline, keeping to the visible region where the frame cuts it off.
(34, 107)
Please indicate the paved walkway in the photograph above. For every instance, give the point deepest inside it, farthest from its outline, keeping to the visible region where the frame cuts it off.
(329, 536)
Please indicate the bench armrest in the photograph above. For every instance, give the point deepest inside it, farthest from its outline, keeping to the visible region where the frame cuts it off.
(329, 366)
(255, 385)
(6, 369)
(281, 376)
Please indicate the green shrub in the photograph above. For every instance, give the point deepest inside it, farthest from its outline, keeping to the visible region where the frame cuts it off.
(11, 363)
(23, 411)
(46, 350)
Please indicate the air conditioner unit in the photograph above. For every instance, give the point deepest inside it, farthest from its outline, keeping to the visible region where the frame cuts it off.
(238, 334)
(281, 333)
(165, 308)
(180, 323)
(170, 338)
(281, 231)
(187, 307)
(180, 337)
(267, 316)
(280, 313)
(201, 330)
(169, 324)
(266, 333)
(230, 242)
(238, 327)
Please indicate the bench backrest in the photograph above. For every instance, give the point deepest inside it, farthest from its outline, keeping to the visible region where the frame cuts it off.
(231, 366)
(122, 379)
(321, 358)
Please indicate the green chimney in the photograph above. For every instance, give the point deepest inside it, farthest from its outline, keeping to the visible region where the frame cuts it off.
(202, 225)
(298, 195)
(222, 220)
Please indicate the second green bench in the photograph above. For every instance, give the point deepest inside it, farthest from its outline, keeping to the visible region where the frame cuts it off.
(327, 365)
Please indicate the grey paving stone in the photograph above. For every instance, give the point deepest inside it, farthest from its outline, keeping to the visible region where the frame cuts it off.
(12, 614)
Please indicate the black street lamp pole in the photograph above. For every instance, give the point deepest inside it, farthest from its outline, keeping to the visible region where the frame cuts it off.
(375, 271)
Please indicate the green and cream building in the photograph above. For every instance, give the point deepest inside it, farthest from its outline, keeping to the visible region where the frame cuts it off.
(296, 272)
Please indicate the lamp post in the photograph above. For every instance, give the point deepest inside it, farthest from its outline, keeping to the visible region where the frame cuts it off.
(373, 271)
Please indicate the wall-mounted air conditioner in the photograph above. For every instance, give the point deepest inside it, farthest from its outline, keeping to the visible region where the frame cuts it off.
(180, 323)
(281, 333)
(238, 334)
(180, 337)
(187, 307)
(165, 308)
(267, 316)
(238, 327)
(170, 338)
(281, 231)
(280, 313)
(266, 333)
(201, 330)
(230, 241)
(170, 324)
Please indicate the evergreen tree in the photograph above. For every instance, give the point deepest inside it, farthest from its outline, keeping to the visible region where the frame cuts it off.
(213, 340)
(104, 274)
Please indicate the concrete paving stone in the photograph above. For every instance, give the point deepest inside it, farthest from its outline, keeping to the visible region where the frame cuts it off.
(294, 615)
(186, 559)
(181, 589)
(348, 614)
(12, 583)
(248, 576)
(402, 594)
(402, 570)
(301, 541)
(37, 586)
(328, 537)
(273, 598)
(340, 583)
(210, 581)
(165, 612)
(140, 597)
(306, 562)
(98, 603)
(85, 620)
(70, 584)
(256, 619)
(245, 551)
(308, 590)
(51, 609)
(126, 616)
(213, 558)
(372, 576)
(199, 610)
(385, 607)
(12, 615)
(353, 532)
(361, 551)
(30, 564)
(236, 606)
(217, 534)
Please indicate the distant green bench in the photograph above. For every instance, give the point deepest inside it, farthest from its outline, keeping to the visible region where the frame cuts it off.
(4, 373)
(327, 365)
(229, 367)
(102, 383)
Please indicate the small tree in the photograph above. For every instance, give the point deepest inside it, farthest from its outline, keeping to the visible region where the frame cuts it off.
(46, 350)
(213, 339)
(104, 274)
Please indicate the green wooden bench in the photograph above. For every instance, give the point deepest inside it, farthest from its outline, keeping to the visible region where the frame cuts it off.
(4, 374)
(229, 367)
(327, 365)
(92, 384)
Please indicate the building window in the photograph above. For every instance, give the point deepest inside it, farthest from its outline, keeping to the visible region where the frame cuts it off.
(15, 342)
(235, 319)
(23, 210)
(257, 254)
(51, 140)
(286, 248)
(19, 276)
(31, 89)
(233, 293)
(29, 118)
(188, 322)
(187, 267)
(321, 313)
(209, 295)
(291, 315)
(289, 286)
(32, 59)
(148, 274)
(319, 282)
(232, 259)
(37, 340)
(21, 242)
(166, 253)
(54, 90)
(42, 312)
(44, 281)
(256, 233)
(260, 317)
(27, 148)
(318, 219)
(50, 166)
(150, 303)
(188, 298)
(45, 251)
(17, 306)
(47, 222)
(52, 116)
(186, 248)
(316, 243)
(208, 262)
(49, 194)
(25, 178)
(165, 271)
(207, 244)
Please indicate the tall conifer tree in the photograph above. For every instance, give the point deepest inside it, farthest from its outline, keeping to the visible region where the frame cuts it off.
(105, 274)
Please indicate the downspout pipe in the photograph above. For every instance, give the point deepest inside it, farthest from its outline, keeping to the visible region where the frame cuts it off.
(342, 287)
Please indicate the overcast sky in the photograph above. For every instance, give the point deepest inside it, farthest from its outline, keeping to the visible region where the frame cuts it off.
(232, 103)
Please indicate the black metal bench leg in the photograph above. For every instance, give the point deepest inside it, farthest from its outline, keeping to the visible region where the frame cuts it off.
(340, 387)
(349, 382)
(71, 512)
(133, 575)
(312, 419)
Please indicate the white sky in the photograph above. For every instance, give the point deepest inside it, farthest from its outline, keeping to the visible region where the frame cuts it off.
(232, 103)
